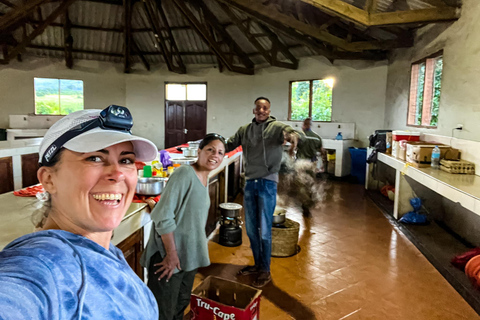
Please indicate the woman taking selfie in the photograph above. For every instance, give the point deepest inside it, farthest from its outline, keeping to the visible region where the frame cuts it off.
(69, 269)
(178, 244)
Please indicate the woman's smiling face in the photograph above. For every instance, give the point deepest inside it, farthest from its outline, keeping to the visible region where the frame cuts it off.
(91, 192)
(211, 156)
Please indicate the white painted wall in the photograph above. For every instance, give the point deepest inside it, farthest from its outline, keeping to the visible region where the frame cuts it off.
(358, 95)
(459, 101)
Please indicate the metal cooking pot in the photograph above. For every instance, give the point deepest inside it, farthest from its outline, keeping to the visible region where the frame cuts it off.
(190, 152)
(194, 144)
(279, 216)
(230, 209)
(150, 186)
(183, 161)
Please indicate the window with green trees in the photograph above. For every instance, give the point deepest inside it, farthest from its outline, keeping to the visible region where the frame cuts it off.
(311, 98)
(58, 96)
(425, 87)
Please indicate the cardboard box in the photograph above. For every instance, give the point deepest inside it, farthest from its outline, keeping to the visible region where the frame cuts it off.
(421, 152)
(220, 299)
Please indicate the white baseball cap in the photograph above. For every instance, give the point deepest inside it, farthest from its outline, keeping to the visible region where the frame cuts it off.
(68, 133)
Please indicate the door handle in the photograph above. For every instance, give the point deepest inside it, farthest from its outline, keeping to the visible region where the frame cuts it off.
(185, 130)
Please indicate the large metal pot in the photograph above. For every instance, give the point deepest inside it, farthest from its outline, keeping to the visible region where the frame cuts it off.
(150, 186)
(230, 209)
(190, 152)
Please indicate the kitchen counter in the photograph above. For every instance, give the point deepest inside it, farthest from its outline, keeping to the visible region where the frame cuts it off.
(16, 218)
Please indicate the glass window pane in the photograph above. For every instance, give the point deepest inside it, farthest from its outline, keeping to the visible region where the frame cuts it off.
(322, 100)
(71, 96)
(176, 91)
(47, 96)
(197, 92)
(300, 100)
(420, 88)
(437, 86)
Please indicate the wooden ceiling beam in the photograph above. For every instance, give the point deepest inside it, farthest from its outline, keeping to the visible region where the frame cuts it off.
(270, 54)
(8, 3)
(163, 36)
(203, 32)
(39, 30)
(68, 41)
(137, 51)
(371, 6)
(279, 20)
(15, 17)
(363, 17)
(217, 27)
(414, 16)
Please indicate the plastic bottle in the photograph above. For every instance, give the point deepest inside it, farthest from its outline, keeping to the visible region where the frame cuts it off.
(339, 136)
(435, 158)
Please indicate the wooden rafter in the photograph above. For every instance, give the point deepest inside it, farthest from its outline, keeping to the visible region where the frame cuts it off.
(137, 51)
(68, 41)
(270, 54)
(39, 30)
(163, 36)
(278, 20)
(218, 30)
(363, 17)
(225, 57)
(8, 3)
(127, 35)
(15, 18)
(371, 6)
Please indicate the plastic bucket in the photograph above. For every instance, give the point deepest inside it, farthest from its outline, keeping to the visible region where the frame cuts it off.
(359, 163)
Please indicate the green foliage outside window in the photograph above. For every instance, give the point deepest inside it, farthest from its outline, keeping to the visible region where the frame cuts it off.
(321, 106)
(58, 96)
(437, 86)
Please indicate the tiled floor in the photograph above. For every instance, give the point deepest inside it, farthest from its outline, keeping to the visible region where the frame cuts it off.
(352, 264)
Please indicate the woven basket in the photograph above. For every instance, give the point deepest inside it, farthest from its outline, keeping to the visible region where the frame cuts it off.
(284, 240)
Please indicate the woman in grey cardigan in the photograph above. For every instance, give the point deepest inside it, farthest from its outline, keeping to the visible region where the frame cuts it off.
(178, 244)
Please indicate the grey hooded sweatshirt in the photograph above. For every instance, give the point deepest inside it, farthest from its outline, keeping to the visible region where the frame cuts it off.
(262, 147)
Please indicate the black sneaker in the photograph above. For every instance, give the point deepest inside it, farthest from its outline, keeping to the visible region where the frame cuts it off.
(248, 270)
(262, 279)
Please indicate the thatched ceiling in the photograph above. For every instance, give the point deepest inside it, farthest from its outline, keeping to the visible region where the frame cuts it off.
(234, 34)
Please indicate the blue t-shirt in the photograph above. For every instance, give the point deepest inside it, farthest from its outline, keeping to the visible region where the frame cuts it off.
(55, 274)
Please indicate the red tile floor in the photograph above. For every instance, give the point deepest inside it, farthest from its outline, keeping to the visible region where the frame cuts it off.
(352, 264)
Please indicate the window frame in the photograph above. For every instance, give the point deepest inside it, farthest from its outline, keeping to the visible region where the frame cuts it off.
(309, 99)
(59, 97)
(186, 93)
(418, 62)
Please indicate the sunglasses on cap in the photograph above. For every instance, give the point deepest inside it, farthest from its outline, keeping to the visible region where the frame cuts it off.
(215, 135)
(111, 118)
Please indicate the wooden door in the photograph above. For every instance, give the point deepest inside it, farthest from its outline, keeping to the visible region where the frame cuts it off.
(132, 249)
(6, 175)
(195, 119)
(184, 121)
(29, 169)
(174, 123)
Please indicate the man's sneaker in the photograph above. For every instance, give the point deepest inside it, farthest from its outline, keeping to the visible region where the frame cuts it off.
(262, 279)
(248, 270)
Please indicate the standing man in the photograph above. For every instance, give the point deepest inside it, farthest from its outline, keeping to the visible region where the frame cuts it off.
(310, 144)
(261, 141)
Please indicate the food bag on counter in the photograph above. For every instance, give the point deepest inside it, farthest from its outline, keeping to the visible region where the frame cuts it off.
(165, 159)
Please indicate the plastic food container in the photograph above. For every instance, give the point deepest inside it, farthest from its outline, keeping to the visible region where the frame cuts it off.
(405, 135)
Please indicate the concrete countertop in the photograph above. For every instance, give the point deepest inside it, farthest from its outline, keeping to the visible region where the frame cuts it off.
(16, 216)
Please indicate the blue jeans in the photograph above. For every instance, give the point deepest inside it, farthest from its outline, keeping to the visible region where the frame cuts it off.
(259, 201)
